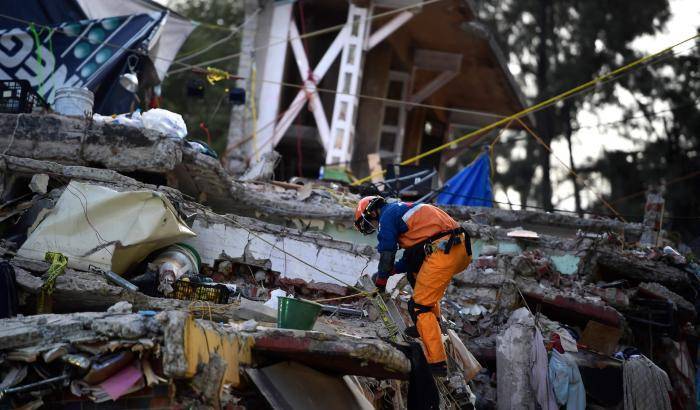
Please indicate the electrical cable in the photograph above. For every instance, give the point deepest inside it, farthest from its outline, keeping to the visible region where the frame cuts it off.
(546, 103)
(399, 102)
(429, 106)
(599, 80)
(571, 171)
(286, 84)
(537, 207)
(141, 52)
(652, 114)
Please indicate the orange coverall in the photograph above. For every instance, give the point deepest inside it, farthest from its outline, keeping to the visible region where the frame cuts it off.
(409, 225)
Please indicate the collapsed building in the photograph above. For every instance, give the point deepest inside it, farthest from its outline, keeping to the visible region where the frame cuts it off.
(90, 209)
(142, 271)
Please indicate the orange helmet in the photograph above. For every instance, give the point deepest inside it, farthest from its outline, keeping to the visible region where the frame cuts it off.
(363, 212)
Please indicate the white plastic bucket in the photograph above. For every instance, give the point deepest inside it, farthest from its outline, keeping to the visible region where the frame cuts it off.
(74, 102)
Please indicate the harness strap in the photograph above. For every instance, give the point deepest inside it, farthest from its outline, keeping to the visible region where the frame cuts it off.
(416, 309)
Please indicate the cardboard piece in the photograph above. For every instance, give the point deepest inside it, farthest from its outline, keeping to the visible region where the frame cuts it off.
(601, 338)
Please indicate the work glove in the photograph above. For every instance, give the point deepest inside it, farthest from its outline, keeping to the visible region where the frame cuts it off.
(380, 279)
(380, 282)
(386, 268)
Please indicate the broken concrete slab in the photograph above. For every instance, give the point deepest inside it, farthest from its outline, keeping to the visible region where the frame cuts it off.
(513, 362)
(661, 292)
(561, 225)
(39, 183)
(50, 329)
(76, 141)
(249, 241)
(333, 353)
(572, 305)
(30, 166)
(617, 265)
(77, 291)
(186, 343)
(262, 170)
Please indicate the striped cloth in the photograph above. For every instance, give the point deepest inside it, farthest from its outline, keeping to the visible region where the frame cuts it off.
(645, 385)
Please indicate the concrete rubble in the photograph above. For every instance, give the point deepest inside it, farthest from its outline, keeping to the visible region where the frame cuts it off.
(79, 333)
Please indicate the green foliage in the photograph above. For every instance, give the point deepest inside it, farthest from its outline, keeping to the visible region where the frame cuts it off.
(223, 14)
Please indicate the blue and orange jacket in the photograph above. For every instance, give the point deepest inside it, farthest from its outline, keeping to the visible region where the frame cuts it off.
(402, 225)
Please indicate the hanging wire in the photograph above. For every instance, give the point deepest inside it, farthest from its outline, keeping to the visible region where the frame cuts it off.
(571, 171)
(580, 89)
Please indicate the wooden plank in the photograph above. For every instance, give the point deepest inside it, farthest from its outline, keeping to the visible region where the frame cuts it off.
(298, 51)
(437, 60)
(395, 4)
(601, 338)
(273, 70)
(387, 29)
(476, 119)
(438, 82)
(331, 54)
(289, 115)
(319, 72)
(309, 84)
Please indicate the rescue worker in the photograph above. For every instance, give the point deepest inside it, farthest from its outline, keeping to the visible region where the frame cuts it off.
(435, 249)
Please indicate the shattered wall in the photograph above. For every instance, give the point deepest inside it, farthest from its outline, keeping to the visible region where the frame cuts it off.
(227, 239)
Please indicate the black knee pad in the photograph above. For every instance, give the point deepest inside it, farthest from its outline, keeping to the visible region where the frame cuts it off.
(415, 309)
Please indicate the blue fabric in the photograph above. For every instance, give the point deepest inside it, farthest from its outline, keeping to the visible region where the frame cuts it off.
(390, 227)
(41, 12)
(470, 186)
(400, 266)
(566, 382)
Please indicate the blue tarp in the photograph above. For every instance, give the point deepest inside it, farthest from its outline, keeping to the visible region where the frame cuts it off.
(470, 186)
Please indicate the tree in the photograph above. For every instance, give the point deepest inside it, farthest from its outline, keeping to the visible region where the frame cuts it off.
(213, 109)
(672, 156)
(558, 45)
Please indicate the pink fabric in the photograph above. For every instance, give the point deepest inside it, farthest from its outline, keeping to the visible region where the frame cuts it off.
(538, 374)
(117, 385)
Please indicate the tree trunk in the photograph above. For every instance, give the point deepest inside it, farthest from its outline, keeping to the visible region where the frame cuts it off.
(566, 116)
(544, 117)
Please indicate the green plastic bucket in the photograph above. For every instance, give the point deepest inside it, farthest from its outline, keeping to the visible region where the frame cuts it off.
(296, 313)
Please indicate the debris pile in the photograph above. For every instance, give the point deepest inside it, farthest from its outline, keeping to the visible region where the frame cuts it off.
(139, 272)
